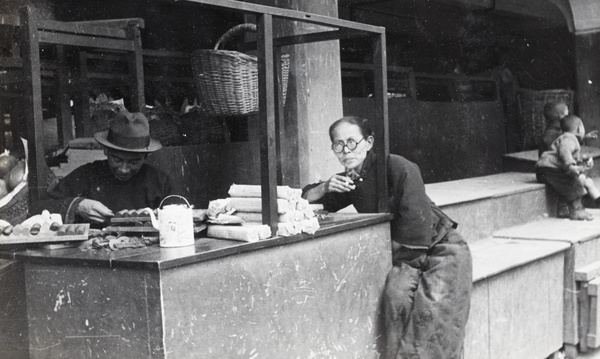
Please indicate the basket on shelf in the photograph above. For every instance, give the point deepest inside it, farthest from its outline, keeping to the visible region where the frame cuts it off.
(163, 126)
(198, 127)
(16, 210)
(227, 81)
(101, 114)
(531, 108)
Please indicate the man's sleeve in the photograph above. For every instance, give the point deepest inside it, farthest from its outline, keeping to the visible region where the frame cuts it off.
(61, 199)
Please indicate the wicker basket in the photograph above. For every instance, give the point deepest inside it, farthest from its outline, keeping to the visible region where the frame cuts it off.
(198, 127)
(101, 114)
(227, 81)
(531, 107)
(163, 127)
(16, 210)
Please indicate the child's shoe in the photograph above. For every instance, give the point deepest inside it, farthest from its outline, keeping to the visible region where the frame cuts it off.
(580, 214)
(563, 211)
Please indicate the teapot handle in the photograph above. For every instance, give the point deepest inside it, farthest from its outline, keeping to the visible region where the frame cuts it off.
(174, 195)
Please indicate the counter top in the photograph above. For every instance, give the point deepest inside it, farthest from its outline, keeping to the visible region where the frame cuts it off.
(204, 249)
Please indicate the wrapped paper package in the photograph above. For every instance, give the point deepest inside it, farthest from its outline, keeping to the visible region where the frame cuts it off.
(246, 233)
(291, 216)
(218, 206)
(249, 204)
(309, 226)
(246, 190)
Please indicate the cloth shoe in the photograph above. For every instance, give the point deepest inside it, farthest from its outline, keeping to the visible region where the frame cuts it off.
(577, 212)
(563, 210)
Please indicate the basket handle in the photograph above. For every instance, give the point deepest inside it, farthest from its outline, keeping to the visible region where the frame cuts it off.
(233, 32)
(174, 195)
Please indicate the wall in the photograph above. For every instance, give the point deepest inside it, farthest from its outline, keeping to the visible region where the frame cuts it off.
(205, 172)
(448, 140)
(588, 82)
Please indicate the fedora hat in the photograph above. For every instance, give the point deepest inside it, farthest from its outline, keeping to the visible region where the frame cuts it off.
(129, 132)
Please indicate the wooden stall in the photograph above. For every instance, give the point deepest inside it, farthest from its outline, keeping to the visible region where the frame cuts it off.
(216, 299)
(302, 294)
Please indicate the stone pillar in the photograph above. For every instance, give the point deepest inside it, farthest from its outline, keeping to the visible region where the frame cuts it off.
(314, 97)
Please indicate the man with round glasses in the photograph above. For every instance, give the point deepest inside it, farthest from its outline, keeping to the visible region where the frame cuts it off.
(340, 145)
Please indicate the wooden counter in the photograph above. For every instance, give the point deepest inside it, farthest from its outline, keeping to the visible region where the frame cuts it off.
(304, 294)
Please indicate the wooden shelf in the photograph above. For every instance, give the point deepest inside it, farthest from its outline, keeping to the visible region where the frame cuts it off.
(112, 34)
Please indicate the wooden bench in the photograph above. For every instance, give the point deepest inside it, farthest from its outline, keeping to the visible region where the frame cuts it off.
(592, 339)
(583, 238)
(512, 279)
(588, 280)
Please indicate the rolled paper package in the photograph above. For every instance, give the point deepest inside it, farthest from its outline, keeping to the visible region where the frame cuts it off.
(246, 190)
(287, 229)
(246, 233)
(309, 226)
(249, 204)
(302, 204)
(256, 217)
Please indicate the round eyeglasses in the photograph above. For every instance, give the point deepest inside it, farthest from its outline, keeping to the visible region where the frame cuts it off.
(338, 147)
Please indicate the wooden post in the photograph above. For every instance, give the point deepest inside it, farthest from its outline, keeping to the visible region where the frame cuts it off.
(33, 100)
(279, 115)
(382, 147)
(64, 120)
(136, 70)
(82, 99)
(266, 119)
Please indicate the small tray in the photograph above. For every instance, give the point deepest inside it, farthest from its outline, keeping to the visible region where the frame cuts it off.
(129, 216)
(131, 229)
(117, 220)
(65, 233)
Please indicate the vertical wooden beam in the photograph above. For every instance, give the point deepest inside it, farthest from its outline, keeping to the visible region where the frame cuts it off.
(382, 147)
(279, 119)
(3, 129)
(82, 99)
(136, 70)
(64, 121)
(266, 119)
(33, 103)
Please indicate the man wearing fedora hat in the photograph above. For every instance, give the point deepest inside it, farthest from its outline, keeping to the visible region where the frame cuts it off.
(95, 191)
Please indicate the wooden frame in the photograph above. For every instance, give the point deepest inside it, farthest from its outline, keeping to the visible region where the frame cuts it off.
(118, 35)
(270, 107)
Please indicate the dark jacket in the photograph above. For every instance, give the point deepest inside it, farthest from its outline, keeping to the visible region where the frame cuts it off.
(96, 181)
(416, 217)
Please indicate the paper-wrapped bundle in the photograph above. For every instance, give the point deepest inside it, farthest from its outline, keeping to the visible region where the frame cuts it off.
(246, 233)
(248, 204)
(309, 226)
(291, 216)
(246, 190)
